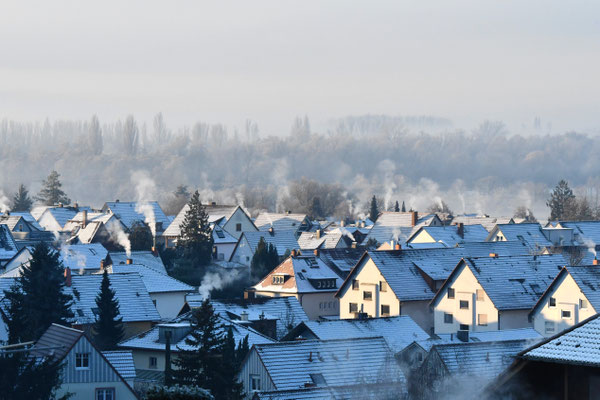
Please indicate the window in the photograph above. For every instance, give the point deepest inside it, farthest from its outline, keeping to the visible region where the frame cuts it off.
(566, 314)
(448, 318)
(254, 382)
(479, 293)
(583, 303)
(482, 319)
(450, 293)
(464, 304)
(464, 327)
(385, 310)
(353, 307)
(382, 286)
(238, 227)
(318, 379)
(419, 356)
(154, 302)
(105, 394)
(552, 302)
(82, 360)
(549, 325)
(153, 362)
(354, 284)
(278, 279)
(367, 295)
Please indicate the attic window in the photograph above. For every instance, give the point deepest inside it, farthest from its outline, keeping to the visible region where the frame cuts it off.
(220, 234)
(382, 286)
(278, 279)
(583, 303)
(450, 293)
(355, 284)
(80, 312)
(552, 302)
(566, 314)
(318, 379)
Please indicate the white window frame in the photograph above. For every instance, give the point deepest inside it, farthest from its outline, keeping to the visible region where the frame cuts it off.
(103, 391)
(79, 361)
(254, 382)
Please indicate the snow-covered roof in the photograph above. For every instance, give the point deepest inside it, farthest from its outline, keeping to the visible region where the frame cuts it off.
(398, 226)
(584, 231)
(281, 222)
(339, 362)
(341, 260)
(155, 282)
(8, 246)
(578, 345)
(485, 336)
(282, 240)
(141, 257)
(530, 234)
(221, 236)
(216, 213)
(488, 222)
(83, 256)
(122, 361)
(449, 235)
(398, 331)
(27, 217)
(61, 214)
(129, 212)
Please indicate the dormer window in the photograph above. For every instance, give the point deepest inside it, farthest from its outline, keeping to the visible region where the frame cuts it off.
(278, 279)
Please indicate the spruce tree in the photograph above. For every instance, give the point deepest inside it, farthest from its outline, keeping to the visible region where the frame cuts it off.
(231, 387)
(37, 299)
(51, 192)
(196, 240)
(108, 328)
(21, 200)
(25, 377)
(403, 207)
(374, 210)
(397, 207)
(560, 201)
(201, 364)
(242, 350)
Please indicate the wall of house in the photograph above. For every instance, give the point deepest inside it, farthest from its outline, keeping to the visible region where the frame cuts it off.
(568, 295)
(141, 359)
(168, 304)
(224, 250)
(254, 366)
(465, 285)
(514, 319)
(22, 258)
(48, 222)
(243, 253)
(134, 328)
(316, 305)
(239, 217)
(420, 312)
(422, 237)
(87, 391)
(369, 278)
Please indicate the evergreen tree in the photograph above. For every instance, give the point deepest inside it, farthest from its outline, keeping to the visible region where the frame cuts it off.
(560, 201)
(140, 237)
(397, 207)
(264, 260)
(196, 240)
(37, 299)
(25, 377)
(108, 329)
(201, 365)
(242, 350)
(233, 389)
(374, 210)
(51, 192)
(21, 200)
(403, 207)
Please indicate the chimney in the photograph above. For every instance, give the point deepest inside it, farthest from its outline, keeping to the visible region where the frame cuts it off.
(76, 205)
(129, 261)
(68, 277)
(288, 212)
(414, 218)
(461, 230)
(60, 205)
(318, 232)
(154, 251)
(117, 201)
(102, 265)
(244, 316)
(494, 255)
(463, 336)
(213, 203)
(271, 230)
(249, 295)
(342, 223)
(353, 245)
(397, 246)
(293, 253)
(595, 262)
(84, 219)
(316, 252)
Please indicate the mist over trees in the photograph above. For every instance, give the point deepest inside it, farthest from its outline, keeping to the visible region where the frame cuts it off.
(415, 159)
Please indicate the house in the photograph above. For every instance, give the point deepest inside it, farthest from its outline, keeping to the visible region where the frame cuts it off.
(308, 279)
(399, 226)
(54, 218)
(337, 238)
(84, 258)
(462, 370)
(148, 348)
(283, 222)
(398, 332)
(529, 234)
(15, 265)
(290, 366)
(223, 243)
(132, 212)
(491, 293)
(232, 219)
(8, 246)
(88, 227)
(573, 296)
(341, 261)
(17, 224)
(149, 259)
(481, 219)
(87, 372)
(167, 293)
(564, 366)
(284, 242)
(449, 236)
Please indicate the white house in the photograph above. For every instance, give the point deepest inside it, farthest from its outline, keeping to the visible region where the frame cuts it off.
(284, 241)
(449, 236)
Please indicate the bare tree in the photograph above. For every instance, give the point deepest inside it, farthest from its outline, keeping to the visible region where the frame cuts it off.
(130, 135)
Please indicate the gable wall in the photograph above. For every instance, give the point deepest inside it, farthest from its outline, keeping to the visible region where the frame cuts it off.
(254, 366)
(423, 237)
(48, 222)
(239, 217)
(243, 253)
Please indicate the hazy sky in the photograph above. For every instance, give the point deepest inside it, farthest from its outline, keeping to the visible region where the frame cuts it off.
(226, 61)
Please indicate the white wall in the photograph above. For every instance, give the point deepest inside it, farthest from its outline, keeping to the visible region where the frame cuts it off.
(48, 222)
(87, 391)
(243, 253)
(239, 217)
(226, 249)
(253, 366)
(513, 319)
(168, 304)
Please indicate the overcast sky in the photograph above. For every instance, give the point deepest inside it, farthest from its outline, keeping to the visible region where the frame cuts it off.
(225, 61)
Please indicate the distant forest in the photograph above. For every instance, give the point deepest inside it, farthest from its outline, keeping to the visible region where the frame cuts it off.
(418, 160)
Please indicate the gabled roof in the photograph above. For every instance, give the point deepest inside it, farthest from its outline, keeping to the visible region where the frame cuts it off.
(326, 240)
(221, 236)
(129, 212)
(511, 283)
(141, 257)
(502, 335)
(29, 218)
(282, 240)
(584, 231)
(304, 273)
(398, 226)
(488, 222)
(280, 222)
(61, 214)
(11, 220)
(122, 361)
(149, 340)
(341, 260)
(339, 362)
(8, 246)
(449, 235)
(216, 213)
(83, 256)
(530, 234)
(578, 345)
(398, 331)
(155, 282)
(56, 341)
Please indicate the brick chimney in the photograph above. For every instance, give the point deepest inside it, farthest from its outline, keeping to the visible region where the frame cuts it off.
(595, 262)
(68, 280)
(318, 233)
(293, 253)
(154, 251)
(84, 219)
(316, 251)
(493, 255)
(414, 218)
(460, 230)
(397, 246)
(353, 245)
(129, 261)
(102, 265)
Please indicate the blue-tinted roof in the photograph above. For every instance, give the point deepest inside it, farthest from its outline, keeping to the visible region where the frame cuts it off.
(584, 231)
(129, 212)
(282, 240)
(588, 280)
(155, 282)
(531, 234)
(449, 235)
(83, 256)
